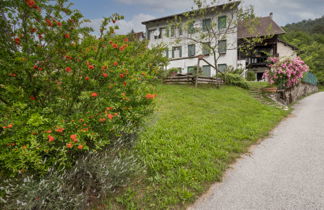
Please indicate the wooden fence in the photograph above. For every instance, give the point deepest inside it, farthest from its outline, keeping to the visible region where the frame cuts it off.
(191, 80)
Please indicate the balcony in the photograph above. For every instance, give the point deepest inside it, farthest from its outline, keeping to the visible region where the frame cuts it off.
(256, 61)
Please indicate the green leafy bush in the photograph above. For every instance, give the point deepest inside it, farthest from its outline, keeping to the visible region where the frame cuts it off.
(235, 80)
(232, 70)
(169, 72)
(93, 176)
(63, 92)
(250, 76)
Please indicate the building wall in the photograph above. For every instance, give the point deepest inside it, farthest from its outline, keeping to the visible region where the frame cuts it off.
(285, 50)
(230, 58)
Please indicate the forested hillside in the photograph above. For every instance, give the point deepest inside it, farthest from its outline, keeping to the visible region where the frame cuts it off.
(308, 36)
(310, 26)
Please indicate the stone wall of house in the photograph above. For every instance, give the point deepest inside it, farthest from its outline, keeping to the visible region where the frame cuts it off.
(291, 95)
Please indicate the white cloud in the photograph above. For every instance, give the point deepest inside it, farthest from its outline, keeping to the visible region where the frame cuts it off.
(288, 11)
(285, 11)
(125, 25)
(135, 23)
(160, 5)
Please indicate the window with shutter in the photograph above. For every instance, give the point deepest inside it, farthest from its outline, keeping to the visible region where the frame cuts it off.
(192, 70)
(222, 67)
(222, 47)
(206, 24)
(167, 32)
(191, 28)
(161, 33)
(150, 34)
(191, 50)
(222, 22)
(180, 30)
(172, 31)
(206, 71)
(176, 52)
(206, 48)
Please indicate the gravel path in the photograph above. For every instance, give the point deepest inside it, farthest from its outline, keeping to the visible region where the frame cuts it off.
(285, 171)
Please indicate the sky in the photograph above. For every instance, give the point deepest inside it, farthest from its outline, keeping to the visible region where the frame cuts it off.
(137, 11)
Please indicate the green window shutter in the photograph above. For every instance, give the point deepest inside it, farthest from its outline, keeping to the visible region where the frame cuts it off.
(222, 22)
(222, 48)
(206, 48)
(191, 28)
(180, 52)
(206, 71)
(167, 53)
(180, 30)
(172, 31)
(191, 50)
(222, 67)
(161, 35)
(167, 32)
(206, 24)
(173, 49)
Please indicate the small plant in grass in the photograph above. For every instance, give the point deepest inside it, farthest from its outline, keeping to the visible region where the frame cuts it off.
(250, 76)
(286, 72)
(235, 80)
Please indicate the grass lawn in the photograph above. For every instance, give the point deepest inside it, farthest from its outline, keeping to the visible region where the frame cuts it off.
(191, 139)
(321, 88)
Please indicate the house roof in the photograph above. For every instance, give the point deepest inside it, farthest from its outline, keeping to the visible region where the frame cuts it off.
(265, 26)
(139, 35)
(228, 5)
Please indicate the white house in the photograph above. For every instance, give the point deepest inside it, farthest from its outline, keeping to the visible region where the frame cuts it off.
(271, 45)
(183, 52)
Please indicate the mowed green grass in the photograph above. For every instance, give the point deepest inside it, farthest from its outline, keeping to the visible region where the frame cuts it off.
(321, 88)
(191, 139)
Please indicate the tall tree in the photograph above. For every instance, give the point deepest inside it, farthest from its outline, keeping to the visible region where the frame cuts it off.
(213, 27)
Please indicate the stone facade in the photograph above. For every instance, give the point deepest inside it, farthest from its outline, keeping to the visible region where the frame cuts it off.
(291, 95)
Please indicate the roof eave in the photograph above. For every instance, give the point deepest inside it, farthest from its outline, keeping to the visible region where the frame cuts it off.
(236, 3)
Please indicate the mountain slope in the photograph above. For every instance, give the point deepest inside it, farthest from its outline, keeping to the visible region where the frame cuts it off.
(309, 26)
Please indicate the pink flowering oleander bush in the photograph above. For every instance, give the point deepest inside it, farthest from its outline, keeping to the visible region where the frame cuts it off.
(286, 72)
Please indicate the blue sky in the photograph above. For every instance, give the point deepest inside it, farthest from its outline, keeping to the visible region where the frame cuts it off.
(136, 11)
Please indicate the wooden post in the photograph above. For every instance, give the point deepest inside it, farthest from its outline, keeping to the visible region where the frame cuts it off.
(197, 71)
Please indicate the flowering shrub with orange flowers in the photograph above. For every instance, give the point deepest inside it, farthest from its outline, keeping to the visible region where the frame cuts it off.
(64, 92)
